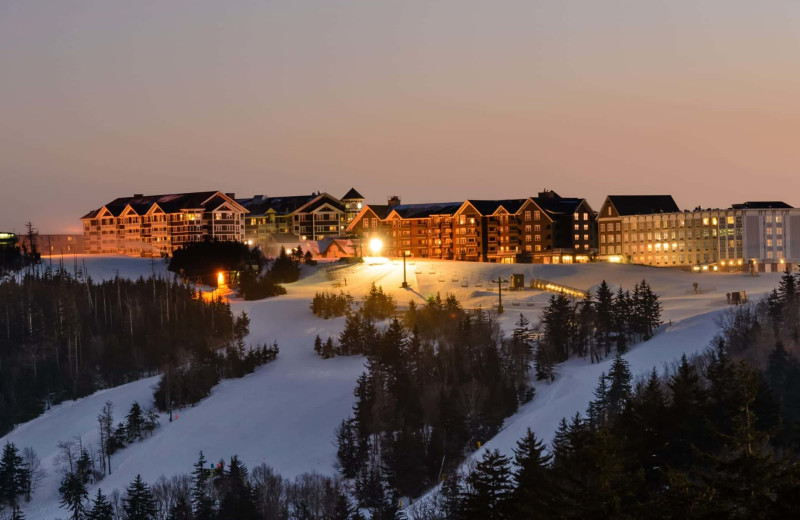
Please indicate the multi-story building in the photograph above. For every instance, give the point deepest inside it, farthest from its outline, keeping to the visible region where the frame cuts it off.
(156, 225)
(7, 240)
(557, 229)
(485, 230)
(763, 236)
(55, 244)
(305, 217)
(615, 207)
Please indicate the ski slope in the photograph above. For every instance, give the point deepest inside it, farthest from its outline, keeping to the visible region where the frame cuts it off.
(285, 413)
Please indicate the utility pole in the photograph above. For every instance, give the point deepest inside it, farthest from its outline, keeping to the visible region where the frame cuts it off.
(499, 283)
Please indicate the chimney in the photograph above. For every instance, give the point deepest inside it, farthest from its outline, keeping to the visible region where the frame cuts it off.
(394, 200)
(231, 195)
(138, 195)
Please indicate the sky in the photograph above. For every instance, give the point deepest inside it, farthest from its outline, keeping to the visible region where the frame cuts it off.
(436, 100)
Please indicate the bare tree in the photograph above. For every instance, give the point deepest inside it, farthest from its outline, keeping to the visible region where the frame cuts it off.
(34, 471)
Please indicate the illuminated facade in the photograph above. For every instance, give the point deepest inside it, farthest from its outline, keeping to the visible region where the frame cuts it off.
(156, 225)
(543, 229)
(306, 217)
(764, 236)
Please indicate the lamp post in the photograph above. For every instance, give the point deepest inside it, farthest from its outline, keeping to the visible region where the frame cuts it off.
(405, 283)
(499, 283)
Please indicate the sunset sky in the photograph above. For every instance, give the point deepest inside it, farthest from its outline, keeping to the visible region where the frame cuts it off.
(429, 100)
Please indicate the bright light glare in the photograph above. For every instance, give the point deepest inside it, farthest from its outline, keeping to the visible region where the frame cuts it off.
(220, 279)
(375, 246)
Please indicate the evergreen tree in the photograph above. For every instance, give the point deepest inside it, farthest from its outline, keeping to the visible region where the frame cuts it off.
(237, 499)
(598, 410)
(490, 488)
(73, 493)
(536, 493)
(318, 345)
(12, 476)
(138, 502)
(619, 389)
(201, 501)
(451, 506)
(101, 508)
(134, 422)
(604, 317)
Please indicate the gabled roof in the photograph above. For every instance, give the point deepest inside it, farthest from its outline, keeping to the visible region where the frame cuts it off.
(558, 206)
(169, 203)
(320, 200)
(260, 205)
(352, 194)
(643, 204)
(489, 207)
(766, 204)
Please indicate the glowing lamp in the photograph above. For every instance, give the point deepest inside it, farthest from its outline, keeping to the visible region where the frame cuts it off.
(375, 246)
(220, 279)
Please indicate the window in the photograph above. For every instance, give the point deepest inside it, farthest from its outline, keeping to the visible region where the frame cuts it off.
(528, 228)
(527, 249)
(586, 227)
(577, 237)
(585, 216)
(586, 237)
(616, 227)
(536, 215)
(602, 228)
(538, 247)
(537, 238)
(537, 227)
(527, 215)
(609, 210)
(576, 226)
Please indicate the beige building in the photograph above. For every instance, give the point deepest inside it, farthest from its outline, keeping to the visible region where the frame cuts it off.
(156, 225)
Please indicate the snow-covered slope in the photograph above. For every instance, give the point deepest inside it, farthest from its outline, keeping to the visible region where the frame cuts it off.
(285, 413)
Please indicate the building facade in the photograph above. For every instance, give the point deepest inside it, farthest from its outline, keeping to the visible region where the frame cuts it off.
(304, 217)
(615, 207)
(762, 236)
(543, 229)
(55, 244)
(157, 225)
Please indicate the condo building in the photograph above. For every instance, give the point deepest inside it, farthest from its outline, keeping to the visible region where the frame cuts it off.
(156, 225)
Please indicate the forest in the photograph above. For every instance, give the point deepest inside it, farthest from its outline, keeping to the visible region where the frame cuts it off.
(63, 335)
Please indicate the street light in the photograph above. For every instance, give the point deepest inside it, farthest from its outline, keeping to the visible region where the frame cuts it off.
(405, 283)
(375, 246)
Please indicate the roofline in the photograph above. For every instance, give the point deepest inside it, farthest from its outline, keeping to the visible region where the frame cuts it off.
(351, 226)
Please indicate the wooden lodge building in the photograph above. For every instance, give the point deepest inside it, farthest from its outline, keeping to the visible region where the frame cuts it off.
(156, 225)
(547, 228)
(298, 218)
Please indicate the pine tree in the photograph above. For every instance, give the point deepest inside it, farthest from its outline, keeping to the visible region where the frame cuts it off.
(598, 410)
(451, 506)
(12, 476)
(201, 501)
(619, 389)
(73, 493)
(318, 345)
(604, 317)
(134, 423)
(138, 502)
(490, 488)
(237, 500)
(101, 508)
(536, 493)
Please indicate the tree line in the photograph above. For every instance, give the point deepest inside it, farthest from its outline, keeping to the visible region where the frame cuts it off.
(218, 491)
(63, 335)
(592, 327)
(440, 380)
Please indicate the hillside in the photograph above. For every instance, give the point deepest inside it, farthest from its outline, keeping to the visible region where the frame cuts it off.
(285, 413)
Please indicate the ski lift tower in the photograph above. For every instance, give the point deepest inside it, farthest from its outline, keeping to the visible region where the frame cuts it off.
(499, 283)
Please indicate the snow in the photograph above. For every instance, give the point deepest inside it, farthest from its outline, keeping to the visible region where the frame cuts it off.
(285, 413)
